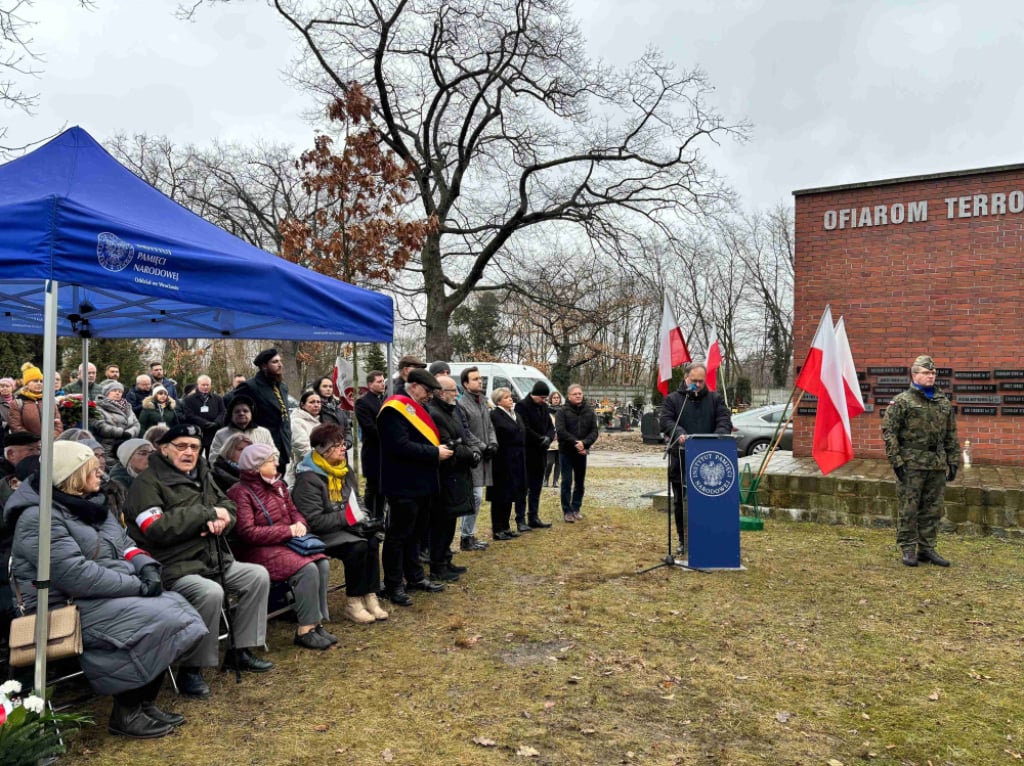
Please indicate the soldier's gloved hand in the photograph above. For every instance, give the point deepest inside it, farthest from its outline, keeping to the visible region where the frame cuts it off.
(477, 457)
(951, 473)
(151, 584)
(901, 473)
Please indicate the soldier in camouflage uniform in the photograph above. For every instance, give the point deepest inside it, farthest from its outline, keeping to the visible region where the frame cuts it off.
(919, 428)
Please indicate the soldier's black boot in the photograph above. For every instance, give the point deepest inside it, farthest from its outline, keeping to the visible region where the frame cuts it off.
(910, 557)
(929, 554)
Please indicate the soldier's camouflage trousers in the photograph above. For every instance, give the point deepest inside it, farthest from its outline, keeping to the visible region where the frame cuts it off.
(920, 504)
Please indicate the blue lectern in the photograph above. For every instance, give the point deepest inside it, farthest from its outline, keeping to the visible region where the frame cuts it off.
(713, 502)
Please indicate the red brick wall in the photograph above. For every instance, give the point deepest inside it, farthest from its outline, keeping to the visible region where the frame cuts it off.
(952, 288)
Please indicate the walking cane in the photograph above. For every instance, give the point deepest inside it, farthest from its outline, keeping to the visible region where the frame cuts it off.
(232, 652)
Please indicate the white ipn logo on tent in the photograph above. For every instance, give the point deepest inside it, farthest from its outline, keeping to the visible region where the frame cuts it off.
(113, 253)
(712, 474)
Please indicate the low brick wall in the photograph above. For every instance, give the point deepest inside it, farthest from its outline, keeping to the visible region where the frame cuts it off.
(871, 502)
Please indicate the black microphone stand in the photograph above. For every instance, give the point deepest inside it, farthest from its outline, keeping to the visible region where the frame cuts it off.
(670, 560)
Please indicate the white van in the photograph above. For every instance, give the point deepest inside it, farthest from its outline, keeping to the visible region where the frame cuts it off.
(519, 378)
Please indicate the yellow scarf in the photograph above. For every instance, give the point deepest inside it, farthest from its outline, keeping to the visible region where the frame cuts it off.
(24, 393)
(335, 476)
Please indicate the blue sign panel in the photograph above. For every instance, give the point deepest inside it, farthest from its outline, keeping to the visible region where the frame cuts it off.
(713, 500)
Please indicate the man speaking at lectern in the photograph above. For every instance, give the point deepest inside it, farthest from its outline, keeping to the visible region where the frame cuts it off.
(692, 409)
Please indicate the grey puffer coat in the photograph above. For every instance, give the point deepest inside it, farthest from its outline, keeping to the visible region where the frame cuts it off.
(128, 639)
(113, 426)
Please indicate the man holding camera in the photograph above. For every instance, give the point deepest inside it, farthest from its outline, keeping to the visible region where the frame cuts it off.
(476, 418)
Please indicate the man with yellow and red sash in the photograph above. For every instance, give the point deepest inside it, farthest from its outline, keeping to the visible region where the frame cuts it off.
(410, 452)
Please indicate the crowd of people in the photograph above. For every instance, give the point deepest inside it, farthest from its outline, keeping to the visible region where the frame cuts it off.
(174, 510)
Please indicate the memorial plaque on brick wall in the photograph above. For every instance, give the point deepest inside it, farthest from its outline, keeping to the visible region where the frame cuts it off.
(806, 410)
(883, 401)
(978, 410)
(942, 382)
(888, 370)
(892, 380)
(809, 398)
(972, 374)
(1013, 411)
(1002, 374)
(890, 390)
(944, 372)
(861, 375)
(1011, 386)
(979, 399)
(865, 388)
(974, 388)
(1013, 399)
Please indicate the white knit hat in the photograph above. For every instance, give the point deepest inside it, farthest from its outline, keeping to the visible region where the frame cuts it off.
(68, 457)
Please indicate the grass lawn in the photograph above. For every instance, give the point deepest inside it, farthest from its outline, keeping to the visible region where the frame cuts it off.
(553, 651)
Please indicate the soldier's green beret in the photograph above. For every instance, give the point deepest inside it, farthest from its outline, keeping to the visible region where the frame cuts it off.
(925, 362)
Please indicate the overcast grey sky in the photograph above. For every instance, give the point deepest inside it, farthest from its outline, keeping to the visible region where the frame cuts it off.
(837, 91)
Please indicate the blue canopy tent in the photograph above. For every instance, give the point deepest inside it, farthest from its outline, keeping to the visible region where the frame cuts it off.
(89, 249)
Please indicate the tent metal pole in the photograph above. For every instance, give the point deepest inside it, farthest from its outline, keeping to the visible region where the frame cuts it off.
(46, 484)
(84, 380)
(391, 380)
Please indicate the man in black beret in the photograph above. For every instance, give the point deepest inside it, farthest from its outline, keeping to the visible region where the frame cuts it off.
(269, 392)
(176, 512)
(540, 432)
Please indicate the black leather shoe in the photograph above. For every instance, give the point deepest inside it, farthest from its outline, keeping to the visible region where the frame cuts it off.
(191, 683)
(512, 533)
(928, 554)
(502, 535)
(443, 574)
(399, 597)
(134, 723)
(162, 716)
(456, 568)
(243, 659)
(538, 524)
(312, 640)
(425, 585)
(910, 557)
(329, 636)
(523, 527)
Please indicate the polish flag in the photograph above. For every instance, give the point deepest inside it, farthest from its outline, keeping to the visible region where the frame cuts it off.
(672, 350)
(822, 376)
(854, 400)
(341, 377)
(713, 361)
(353, 513)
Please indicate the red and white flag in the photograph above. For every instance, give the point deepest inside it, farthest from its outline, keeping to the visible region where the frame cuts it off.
(672, 350)
(854, 400)
(353, 513)
(713, 361)
(822, 376)
(341, 376)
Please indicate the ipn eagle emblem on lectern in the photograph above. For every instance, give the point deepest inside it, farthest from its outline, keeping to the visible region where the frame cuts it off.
(113, 253)
(712, 474)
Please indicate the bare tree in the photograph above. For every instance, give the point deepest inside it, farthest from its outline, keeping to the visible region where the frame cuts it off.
(19, 60)
(508, 125)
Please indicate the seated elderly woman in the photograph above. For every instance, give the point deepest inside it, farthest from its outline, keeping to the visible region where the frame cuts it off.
(323, 485)
(240, 420)
(132, 629)
(225, 467)
(132, 459)
(267, 520)
(113, 422)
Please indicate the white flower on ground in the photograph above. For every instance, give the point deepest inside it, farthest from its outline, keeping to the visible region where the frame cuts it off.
(7, 688)
(34, 704)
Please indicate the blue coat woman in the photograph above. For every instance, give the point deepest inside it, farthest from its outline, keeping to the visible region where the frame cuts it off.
(132, 630)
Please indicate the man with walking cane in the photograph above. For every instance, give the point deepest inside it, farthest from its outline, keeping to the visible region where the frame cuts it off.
(691, 409)
(177, 513)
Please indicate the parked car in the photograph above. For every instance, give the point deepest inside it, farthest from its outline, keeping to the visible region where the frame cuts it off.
(755, 428)
(519, 378)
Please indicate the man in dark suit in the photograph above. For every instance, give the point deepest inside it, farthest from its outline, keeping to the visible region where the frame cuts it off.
(540, 432)
(367, 407)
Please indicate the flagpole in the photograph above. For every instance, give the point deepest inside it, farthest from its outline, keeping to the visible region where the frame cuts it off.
(779, 431)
